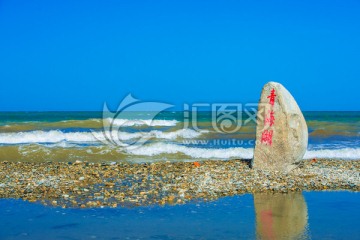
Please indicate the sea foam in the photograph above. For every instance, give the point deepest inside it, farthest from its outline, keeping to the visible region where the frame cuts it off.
(55, 136)
(228, 153)
(343, 153)
(153, 149)
(140, 122)
(168, 148)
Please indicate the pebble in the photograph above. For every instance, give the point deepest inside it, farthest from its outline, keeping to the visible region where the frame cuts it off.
(77, 162)
(129, 184)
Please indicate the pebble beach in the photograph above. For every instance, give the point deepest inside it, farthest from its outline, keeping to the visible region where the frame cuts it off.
(82, 184)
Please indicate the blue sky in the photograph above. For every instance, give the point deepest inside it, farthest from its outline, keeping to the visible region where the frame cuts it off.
(76, 55)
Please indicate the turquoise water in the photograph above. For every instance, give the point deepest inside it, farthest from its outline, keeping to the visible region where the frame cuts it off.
(308, 215)
(63, 136)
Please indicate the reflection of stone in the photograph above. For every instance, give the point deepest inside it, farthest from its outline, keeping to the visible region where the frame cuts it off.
(280, 216)
(281, 131)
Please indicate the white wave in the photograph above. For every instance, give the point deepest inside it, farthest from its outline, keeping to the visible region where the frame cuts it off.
(344, 153)
(182, 133)
(56, 136)
(164, 148)
(140, 122)
(226, 153)
(53, 136)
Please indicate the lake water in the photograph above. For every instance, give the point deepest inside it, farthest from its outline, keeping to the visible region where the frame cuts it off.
(307, 215)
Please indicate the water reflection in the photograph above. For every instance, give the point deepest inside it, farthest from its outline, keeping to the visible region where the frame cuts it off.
(281, 216)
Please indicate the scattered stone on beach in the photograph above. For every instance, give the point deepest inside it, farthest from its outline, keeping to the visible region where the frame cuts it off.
(281, 131)
(131, 184)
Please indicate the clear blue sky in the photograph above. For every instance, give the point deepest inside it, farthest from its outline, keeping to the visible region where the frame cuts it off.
(75, 55)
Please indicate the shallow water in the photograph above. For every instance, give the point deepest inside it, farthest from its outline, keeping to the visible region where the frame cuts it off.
(308, 215)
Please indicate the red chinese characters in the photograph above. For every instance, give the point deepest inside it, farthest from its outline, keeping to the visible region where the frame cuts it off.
(267, 134)
(272, 97)
(270, 119)
(266, 137)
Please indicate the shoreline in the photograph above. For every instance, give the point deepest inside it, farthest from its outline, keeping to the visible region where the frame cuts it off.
(87, 184)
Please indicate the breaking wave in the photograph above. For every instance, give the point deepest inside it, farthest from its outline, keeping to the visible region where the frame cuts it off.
(165, 148)
(55, 136)
(139, 122)
(94, 123)
(343, 153)
(150, 153)
(238, 152)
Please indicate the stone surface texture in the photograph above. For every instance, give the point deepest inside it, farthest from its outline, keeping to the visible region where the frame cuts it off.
(281, 131)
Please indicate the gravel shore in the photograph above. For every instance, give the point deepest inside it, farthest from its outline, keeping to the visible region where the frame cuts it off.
(85, 184)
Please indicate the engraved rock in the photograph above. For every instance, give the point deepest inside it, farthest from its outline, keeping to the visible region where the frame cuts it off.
(281, 131)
